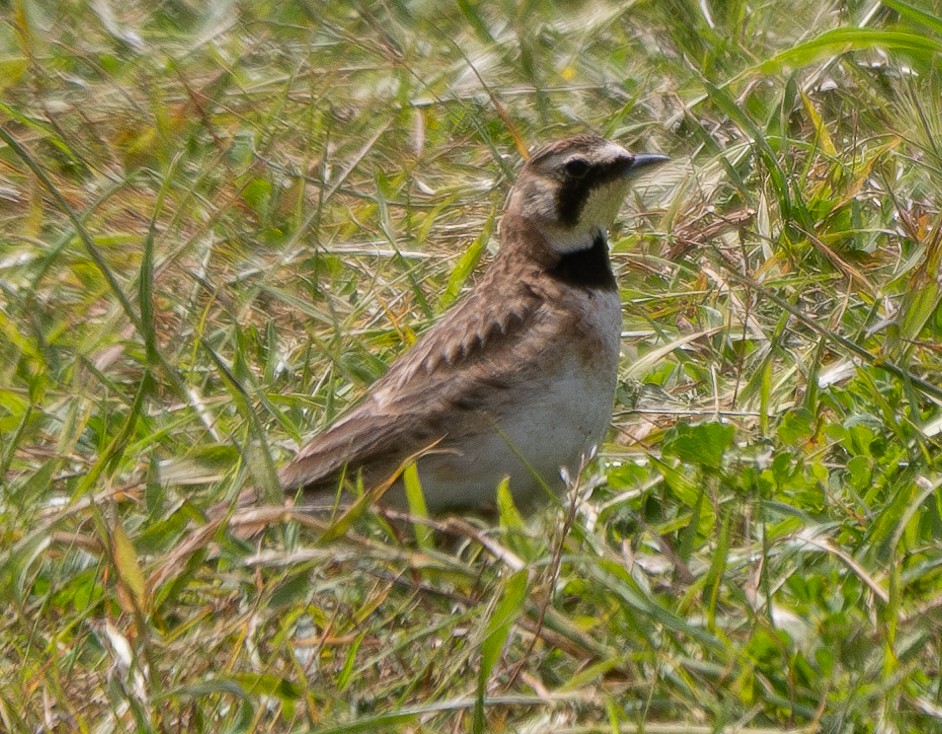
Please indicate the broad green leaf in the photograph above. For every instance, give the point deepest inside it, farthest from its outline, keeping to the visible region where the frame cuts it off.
(703, 444)
(916, 15)
(499, 624)
(417, 506)
(507, 511)
(466, 265)
(843, 40)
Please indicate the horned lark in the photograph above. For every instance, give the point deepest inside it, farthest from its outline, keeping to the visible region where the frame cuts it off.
(518, 379)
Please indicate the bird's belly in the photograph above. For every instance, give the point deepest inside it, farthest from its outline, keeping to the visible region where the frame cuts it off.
(552, 427)
(553, 416)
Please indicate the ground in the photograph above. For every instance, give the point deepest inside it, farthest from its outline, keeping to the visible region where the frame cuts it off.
(220, 222)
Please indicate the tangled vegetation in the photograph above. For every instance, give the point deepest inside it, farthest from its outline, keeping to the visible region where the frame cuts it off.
(219, 222)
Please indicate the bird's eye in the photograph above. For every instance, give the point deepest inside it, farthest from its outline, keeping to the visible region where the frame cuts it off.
(577, 167)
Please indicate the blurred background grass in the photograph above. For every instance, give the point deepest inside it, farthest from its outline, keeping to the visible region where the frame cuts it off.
(219, 222)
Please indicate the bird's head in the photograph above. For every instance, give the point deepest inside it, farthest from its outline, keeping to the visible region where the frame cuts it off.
(571, 190)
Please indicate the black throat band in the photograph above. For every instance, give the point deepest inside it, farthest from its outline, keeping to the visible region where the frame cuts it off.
(589, 268)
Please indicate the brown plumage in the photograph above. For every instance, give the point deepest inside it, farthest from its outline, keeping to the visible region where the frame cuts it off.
(518, 378)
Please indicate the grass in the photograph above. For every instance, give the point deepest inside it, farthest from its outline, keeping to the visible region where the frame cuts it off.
(219, 223)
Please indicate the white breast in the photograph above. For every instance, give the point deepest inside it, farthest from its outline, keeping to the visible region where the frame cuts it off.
(549, 424)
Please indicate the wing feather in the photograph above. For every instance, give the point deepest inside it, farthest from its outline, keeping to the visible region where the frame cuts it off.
(461, 364)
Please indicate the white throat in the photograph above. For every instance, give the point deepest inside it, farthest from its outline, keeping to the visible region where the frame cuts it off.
(566, 241)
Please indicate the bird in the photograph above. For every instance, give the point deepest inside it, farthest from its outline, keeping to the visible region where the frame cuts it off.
(516, 380)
